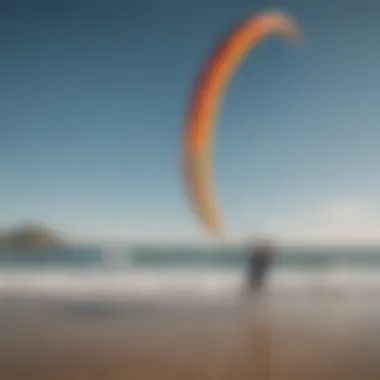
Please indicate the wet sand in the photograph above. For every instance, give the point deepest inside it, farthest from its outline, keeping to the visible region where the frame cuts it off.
(77, 339)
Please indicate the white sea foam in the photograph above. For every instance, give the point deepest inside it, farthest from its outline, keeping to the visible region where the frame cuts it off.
(142, 283)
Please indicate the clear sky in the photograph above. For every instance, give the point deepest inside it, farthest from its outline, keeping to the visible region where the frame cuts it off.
(93, 96)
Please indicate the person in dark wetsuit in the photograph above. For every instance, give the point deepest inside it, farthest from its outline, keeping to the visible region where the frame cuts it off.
(260, 260)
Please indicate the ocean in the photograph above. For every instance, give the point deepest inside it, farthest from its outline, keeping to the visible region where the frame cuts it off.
(148, 272)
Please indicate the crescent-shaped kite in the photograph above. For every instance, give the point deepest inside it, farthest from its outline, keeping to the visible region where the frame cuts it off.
(204, 108)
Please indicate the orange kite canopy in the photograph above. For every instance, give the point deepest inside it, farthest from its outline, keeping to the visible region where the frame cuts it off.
(205, 101)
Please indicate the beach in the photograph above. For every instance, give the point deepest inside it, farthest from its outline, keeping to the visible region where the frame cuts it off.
(183, 314)
(321, 337)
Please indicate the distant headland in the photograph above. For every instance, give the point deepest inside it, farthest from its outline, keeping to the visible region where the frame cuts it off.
(30, 236)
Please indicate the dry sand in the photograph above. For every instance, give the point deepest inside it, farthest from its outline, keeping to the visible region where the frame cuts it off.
(71, 340)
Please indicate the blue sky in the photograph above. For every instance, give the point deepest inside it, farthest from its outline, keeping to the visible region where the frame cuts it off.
(93, 99)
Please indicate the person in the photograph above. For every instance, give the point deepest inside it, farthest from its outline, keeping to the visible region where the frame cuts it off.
(260, 260)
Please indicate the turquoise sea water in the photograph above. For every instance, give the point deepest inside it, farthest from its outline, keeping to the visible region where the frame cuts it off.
(90, 257)
(156, 272)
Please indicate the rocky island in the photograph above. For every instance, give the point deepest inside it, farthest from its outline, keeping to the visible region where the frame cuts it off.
(30, 237)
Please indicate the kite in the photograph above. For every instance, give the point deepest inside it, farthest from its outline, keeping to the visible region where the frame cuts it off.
(204, 106)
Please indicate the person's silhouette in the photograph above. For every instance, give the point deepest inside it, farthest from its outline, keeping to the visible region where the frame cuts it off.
(261, 255)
